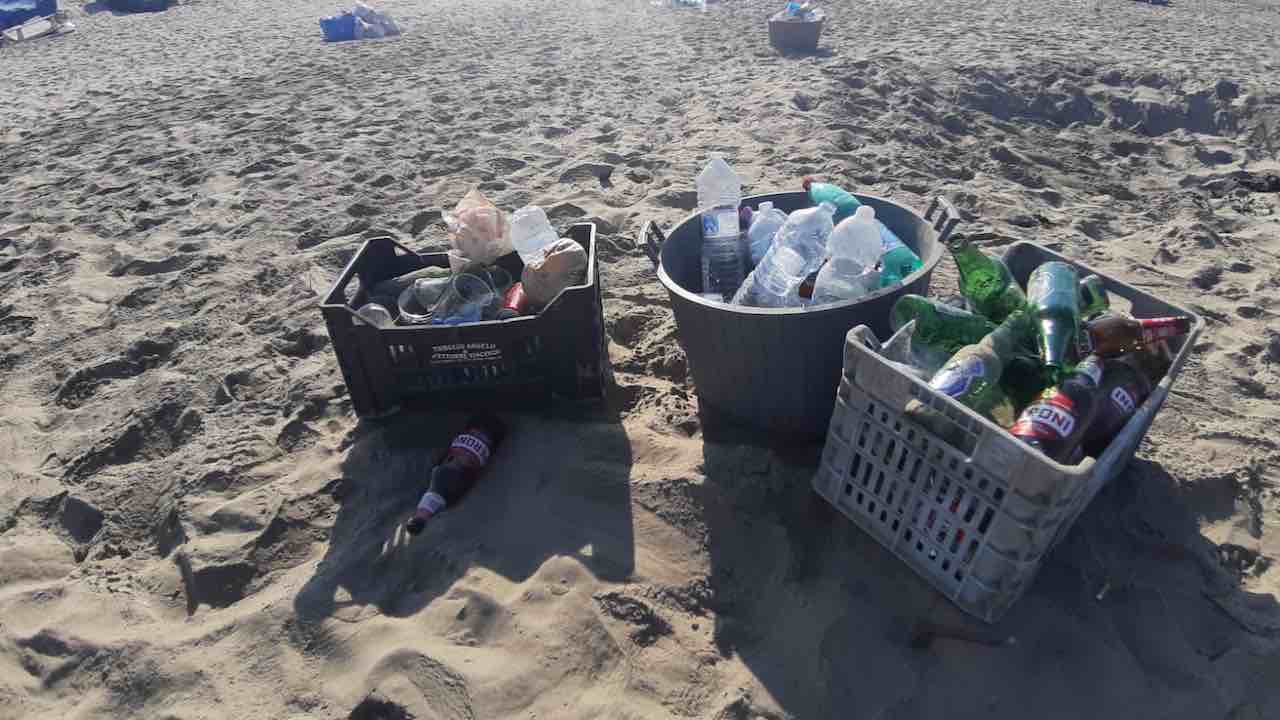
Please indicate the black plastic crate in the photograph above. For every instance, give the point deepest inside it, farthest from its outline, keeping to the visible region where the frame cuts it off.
(562, 352)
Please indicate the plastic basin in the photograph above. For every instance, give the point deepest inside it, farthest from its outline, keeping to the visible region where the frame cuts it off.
(777, 369)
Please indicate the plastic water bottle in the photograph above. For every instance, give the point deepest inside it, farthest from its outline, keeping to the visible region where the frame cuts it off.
(765, 224)
(797, 250)
(531, 232)
(854, 249)
(719, 196)
(898, 260)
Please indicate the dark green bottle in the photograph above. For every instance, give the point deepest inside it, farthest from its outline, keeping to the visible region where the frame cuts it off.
(941, 327)
(1093, 297)
(986, 282)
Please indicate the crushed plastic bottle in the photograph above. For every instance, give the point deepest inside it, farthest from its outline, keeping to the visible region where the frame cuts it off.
(797, 250)
(766, 221)
(719, 197)
(531, 233)
(854, 249)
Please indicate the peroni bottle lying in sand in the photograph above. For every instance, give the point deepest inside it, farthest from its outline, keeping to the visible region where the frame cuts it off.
(458, 471)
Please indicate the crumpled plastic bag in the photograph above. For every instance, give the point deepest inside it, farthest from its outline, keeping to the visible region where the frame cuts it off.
(371, 23)
(478, 229)
(563, 263)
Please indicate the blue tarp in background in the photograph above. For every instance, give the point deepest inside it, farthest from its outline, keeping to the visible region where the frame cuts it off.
(16, 12)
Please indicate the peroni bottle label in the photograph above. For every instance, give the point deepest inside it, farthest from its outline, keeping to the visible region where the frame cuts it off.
(1054, 417)
(1124, 401)
(472, 449)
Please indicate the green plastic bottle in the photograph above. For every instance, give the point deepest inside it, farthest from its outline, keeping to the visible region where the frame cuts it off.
(898, 260)
(986, 282)
(820, 192)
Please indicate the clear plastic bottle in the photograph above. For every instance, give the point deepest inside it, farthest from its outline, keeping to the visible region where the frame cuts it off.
(797, 250)
(719, 197)
(854, 250)
(531, 232)
(765, 224)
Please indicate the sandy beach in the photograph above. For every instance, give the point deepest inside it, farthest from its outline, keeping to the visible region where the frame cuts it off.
(195, 525)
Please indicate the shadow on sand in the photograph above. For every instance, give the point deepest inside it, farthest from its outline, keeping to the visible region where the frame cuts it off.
(540, 497)
(1131, 610)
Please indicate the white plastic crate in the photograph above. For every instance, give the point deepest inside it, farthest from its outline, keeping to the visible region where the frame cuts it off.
(975, 516)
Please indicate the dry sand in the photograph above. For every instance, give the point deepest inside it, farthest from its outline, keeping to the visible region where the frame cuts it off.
(194, 525)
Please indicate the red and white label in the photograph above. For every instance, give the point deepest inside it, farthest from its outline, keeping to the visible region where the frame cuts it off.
(1157, 329)
(1053, 415)
(473, 446)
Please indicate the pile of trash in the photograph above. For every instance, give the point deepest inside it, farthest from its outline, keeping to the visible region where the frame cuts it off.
(696, 4)
(1053, 363)
(799, 12)
(139, 6)
(360, 23)
(479, 285)
(833, 252)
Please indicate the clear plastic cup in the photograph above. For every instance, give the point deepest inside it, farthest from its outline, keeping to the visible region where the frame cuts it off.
(459, 263)
(464, 301)
(376, 315)
(412, 312)
(429, 290)
(498, 278)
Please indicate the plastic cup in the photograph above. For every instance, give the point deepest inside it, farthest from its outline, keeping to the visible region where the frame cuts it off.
(429, 290)
(376, 315)
(464, 301)
(413, 312)
(459, 263)
(499, 279)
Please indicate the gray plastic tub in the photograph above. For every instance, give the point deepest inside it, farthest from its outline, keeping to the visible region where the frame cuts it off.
(777, 369)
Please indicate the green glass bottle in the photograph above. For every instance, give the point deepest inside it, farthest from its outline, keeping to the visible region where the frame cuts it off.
(941, 327)
(986, 282)
(1093, 297)
(1054, 299)
(972, 375)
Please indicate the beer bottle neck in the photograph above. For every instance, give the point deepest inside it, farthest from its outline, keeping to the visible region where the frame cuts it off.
(966, 255)
(1011, 333)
